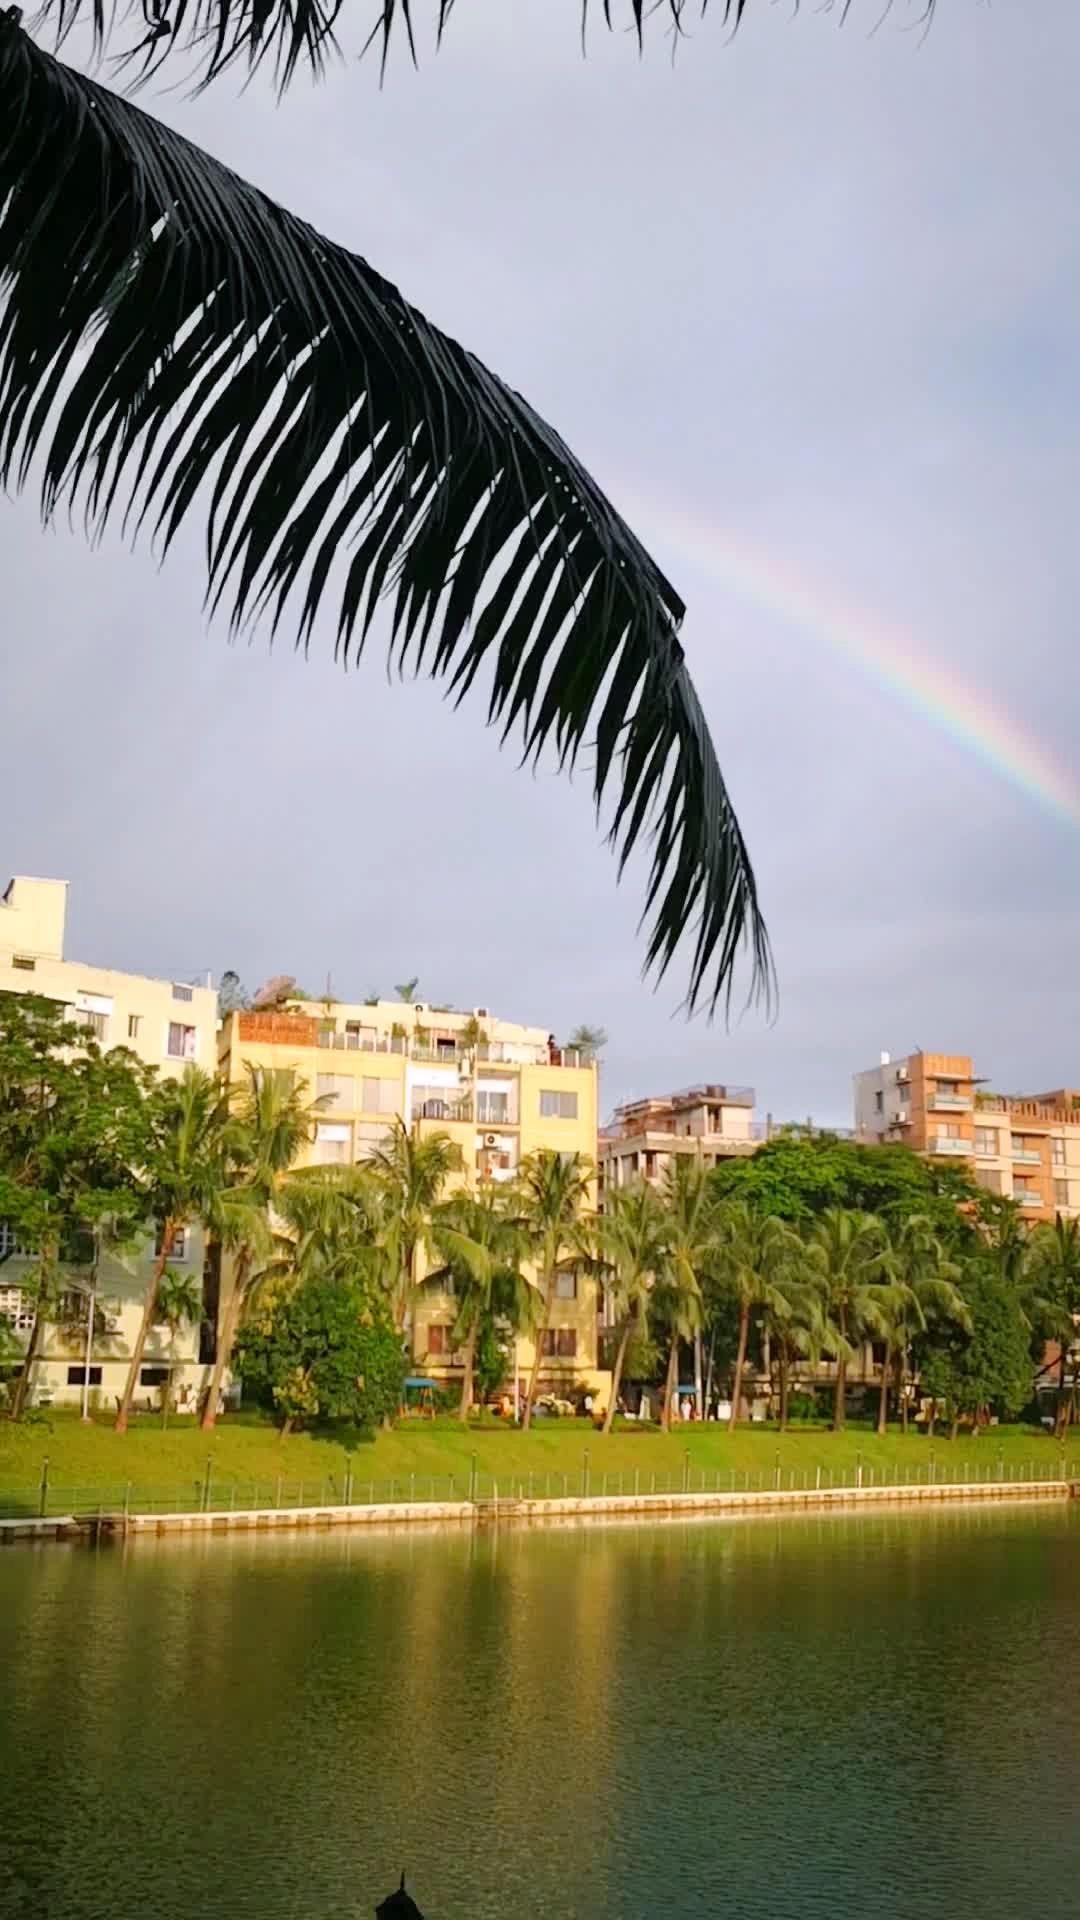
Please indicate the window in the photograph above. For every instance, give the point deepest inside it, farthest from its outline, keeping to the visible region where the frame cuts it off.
(558, 1106)
(379, 1096)
(153, 1376)
(948, 1089)
(1057, 1152)
(182, 993)
(879, 1101)
(178, 1245)
(133, 1026)
(492, 1109)
(331, 1146)
(566, 1284)
(559, 1343)
(17, 1308)
(437, 1339)
(988, 1177)
(986, 1142)
(77, 1375)
(23, 963)
(1061, 1193)
(181, 1044)
(95, 1023)
(336, 1089)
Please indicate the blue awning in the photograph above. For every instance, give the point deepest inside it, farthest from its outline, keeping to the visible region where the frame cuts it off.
(420, 1380)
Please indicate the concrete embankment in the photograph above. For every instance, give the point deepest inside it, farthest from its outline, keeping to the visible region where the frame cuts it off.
(496, 1511)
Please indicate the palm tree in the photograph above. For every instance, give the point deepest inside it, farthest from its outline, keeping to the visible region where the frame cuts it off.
(799, 1328)
(190, 331)
(413, 1170)
(849, 1251)
(190, 1134)
(179, 1300)
(588, 1041)
(482, 1245)
(1053, 1268)
(690, 1230)
(759, 1256)
(272, 1125)
(921, 1290)
(630, 1252)
(677, 1306)
(552, 1195)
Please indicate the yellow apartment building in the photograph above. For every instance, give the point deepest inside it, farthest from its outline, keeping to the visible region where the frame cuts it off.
(499, 1090)
(166, 1023)
(1024, 1146)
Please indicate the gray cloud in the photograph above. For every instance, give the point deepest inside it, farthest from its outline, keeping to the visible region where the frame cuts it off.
(816, 290)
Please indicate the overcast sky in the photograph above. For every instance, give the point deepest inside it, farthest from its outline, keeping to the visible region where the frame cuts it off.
(817, 291)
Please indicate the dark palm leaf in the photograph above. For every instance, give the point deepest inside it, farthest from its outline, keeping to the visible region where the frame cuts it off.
(294, 33)
(165, 324)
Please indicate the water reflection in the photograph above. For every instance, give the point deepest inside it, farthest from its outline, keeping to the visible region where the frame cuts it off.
(768, 1717)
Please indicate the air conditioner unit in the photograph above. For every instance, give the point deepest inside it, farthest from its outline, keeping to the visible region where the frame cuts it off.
(902, 1073)
(491, 1139)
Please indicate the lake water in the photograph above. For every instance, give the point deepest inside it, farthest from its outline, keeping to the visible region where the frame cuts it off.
(816, 1717)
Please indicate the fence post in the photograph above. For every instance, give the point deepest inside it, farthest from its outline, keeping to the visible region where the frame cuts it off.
(472, 1476)
(127, 1503)
(206, 1486)
(858, 1470)
(43, 1497)
(585, 1476)
(348, 1486)
(776, 1473)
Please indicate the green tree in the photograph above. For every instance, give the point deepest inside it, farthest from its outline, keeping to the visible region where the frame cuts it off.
(552, 1197)
(588, 1041)
(850, 1253)
(1052, 1273)
(691, 1240)
(324, 1349)
(179, 1303)
(481, 1245)
(921, 1292)
(799, 1179)
(799, 1328)
(189, 1135)
(272, 1123)
(630, 1251)
(72, 1135)
(413, 1170)
(759, 1254)
(986, 1369)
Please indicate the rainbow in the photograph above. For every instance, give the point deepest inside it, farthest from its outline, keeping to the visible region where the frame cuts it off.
(962, 709)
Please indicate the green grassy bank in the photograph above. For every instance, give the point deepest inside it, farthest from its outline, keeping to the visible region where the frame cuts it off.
(421, 1458)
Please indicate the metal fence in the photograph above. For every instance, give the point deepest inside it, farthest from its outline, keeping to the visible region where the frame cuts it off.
(213, 1493)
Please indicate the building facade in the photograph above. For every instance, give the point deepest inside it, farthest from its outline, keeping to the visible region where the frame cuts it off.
(166, 1023)
(705, 1124)
(1023, 1146)
(499, 1090)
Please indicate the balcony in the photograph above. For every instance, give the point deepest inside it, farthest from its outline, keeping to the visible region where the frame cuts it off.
(949, 1102)
(1027, 1197)
(434, 1107)
(361, 1042)
(1026, 1156)
(949, 1143)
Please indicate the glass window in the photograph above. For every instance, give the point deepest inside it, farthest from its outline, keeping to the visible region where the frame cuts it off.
(181, 1045)
(76, 1376)
(331, 1146)
(1061, 1193)
(133, 1026)
(986, 1141)
(379, 1095)
(558, 1106)
(492, 1109)
(178, 1245)
(1057, 1152)
(153, 1376)
(437, 1339)
(566, 1284)
(23, 963)
(182, 993)
(336, 1089)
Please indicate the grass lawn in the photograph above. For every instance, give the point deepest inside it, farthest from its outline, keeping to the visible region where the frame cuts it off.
(420, 1456)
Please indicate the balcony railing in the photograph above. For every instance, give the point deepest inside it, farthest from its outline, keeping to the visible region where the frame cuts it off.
(1027, 1197)
(433, 1107)
(1027, 1155)
(362, 1042)
(949, 1102)
(948, 1143)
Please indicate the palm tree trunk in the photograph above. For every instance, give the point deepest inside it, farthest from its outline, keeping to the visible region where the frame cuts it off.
(954, 1426)
(169, 1230)
(840, 1395)
(167, 1393)
(903, 1390)
(1059, 1420)
(931, 1420)
(670, 1383)
(22, 1384)
(616, 1378)
(740, 1363)
(534, 1375)
(230, 1326)
(782, 1363)
(467, 1377)
(883, 1399)
(709, 1372)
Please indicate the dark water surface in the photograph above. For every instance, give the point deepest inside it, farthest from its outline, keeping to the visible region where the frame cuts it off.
(824, 1717)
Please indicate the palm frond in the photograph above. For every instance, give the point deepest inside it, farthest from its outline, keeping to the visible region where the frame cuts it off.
(332, 422)
(292, 34)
